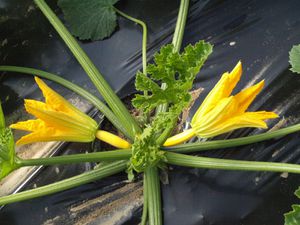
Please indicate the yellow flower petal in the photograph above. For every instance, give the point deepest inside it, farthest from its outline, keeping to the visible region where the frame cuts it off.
(234, 77)
(53, 99)
(248, 119)
(262, 115)
(56, 135)
(220, 113)
(221, 90)
(246, 96)
(57, 102)
(58, 120)
(29, 125)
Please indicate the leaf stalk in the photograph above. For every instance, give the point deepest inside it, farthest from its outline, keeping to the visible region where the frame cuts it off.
(234, 142)
(228, 164)
(76, 158)
(66, 184)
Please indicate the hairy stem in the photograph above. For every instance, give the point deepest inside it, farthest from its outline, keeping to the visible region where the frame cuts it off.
(66, 184)
(154, 196)
(210, 145)
(77, 158)
(145, 204)
(180, 25)
(227, 164)
(144, 45)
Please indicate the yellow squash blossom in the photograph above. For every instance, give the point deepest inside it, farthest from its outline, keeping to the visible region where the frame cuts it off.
(58, 120)
(221, 112)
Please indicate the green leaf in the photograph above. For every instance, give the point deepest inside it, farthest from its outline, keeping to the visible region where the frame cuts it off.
(145, 151)
(7, 148)
(177, 71)
(90, 19)
(293, 217)
(295, 58)
(7, 152)
(2, 120)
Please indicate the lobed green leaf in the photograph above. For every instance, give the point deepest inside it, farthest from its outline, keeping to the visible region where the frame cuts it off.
(293, 217)
(177, 71)
(145, 151)
(90, 19)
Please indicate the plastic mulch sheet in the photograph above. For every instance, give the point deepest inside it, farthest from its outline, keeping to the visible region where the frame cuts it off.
(259, 33)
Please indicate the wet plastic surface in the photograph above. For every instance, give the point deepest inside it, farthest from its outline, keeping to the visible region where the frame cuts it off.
(260, 33)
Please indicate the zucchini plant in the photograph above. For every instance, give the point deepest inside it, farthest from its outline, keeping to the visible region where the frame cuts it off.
(150, 143)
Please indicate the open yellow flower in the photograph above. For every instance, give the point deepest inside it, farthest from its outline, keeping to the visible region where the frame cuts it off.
(220, 112)
(58, 120)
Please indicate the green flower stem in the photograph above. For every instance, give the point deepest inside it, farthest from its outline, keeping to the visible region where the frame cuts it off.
(73, 87)
(145, 205)
(154, 196)
(77, 158)
(66, 184)
(227, 164)
(210, 145)
(103, 87)
(144, 45)
(180, 25)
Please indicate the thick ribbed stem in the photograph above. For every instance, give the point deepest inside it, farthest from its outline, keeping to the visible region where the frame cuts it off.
(66, 184)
